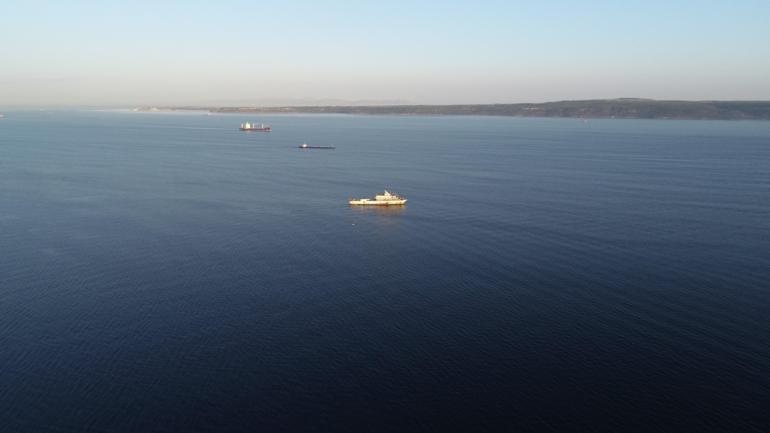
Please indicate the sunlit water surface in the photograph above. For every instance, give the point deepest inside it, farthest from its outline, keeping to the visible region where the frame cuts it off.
(169, 273)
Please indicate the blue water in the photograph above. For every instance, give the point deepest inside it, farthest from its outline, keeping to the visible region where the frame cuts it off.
(168, 273)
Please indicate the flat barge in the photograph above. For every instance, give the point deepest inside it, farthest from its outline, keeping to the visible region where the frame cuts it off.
(307, 146)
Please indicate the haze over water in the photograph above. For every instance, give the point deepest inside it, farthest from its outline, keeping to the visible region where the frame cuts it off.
(167, 272)
(336, 52)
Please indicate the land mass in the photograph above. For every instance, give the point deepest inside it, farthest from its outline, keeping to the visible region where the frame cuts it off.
(624, 108)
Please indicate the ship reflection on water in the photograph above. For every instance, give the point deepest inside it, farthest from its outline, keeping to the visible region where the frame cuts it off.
(379, 210)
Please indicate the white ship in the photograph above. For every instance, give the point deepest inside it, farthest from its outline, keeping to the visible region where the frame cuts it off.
(248, 126)
(385, 199)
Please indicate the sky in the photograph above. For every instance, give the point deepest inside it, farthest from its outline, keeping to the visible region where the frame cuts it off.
(139, 53)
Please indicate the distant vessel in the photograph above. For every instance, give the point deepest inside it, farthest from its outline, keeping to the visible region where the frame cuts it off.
(2, 115)
(307, 146)
(254, 127)
(385, 199)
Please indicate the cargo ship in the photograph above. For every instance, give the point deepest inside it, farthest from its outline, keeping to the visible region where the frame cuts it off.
(254, 127)
(384, 199)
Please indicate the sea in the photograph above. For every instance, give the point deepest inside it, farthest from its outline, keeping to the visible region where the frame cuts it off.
(166, 272)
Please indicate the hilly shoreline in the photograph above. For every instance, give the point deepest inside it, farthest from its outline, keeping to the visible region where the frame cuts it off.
(624, 108)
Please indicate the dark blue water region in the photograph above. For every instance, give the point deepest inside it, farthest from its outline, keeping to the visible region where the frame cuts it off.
(169, 273)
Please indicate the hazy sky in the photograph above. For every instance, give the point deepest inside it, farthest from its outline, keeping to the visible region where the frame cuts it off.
(262, 53)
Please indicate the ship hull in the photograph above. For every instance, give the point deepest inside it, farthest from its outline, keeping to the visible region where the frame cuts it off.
(367, 202)
(256, 129)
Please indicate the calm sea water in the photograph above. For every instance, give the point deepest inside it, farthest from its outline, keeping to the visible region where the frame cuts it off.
(168, 273)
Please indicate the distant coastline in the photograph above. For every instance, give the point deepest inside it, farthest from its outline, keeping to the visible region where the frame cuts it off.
(624, 108)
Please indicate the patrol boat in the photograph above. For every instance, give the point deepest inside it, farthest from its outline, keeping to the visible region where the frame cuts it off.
(384, 199)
